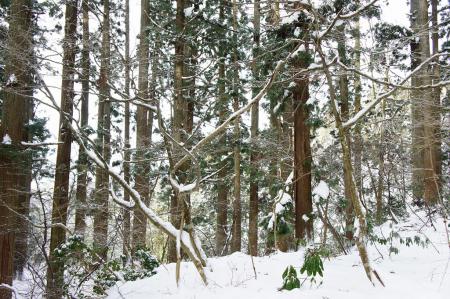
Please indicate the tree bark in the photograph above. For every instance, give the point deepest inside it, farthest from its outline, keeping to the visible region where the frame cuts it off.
(14, 161)
(302, 159)
(344, 104)
(437, 95)
(55, 271)
(254, 200)
(425, 178)
(357, 141)
(180, 116)
(236, 238)
(222, 190)
(127, 156)
(82, 166)
(101, 214)
(143, 131)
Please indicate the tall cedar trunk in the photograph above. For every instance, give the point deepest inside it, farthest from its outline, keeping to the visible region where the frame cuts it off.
(430, 115)
(417, 150)
(55, 272)
(13, 159)
(82, 167)
(436, 93)
(425, 181)
(103, 131)
(236, 238)
(344, 104)
(302, 158)
(417, 117)
(253, 205)
(23, 207)
(179, 116)
(142, 131)
(126, 163)
(357, 140)
(275, 128)
(381, 153)
(222, 190)
(380, 187)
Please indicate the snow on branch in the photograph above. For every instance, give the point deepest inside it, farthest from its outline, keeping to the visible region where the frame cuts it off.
(126, 204)
(37, 144)
(378, 99)
(280, 64)
(358, 11)
(189, 246)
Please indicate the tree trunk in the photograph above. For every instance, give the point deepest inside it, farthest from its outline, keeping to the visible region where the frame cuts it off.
(236, 238)
(55, 272)
(253, 205)
(101, 214)
(180, 116)
(361, 237)
(357, 141)
(425, 178)
(437, 95)
(14, 161)
(344, 103)
(222, 190)
(302, 159)
(143, 132)
(127, 157)
(82, 167)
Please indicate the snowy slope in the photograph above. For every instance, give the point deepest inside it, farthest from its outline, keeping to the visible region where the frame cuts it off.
(415, 272)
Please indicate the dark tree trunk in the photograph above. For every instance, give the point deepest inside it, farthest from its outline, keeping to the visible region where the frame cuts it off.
(14, 161)
(55, 272)
(82, 167)
(222, 190)
(236, 238)
(180, 109)
(127, 156)
(23, 207)
(143, 131)
(358, 141)
(254, 201)
(101, 213)
(302, 160)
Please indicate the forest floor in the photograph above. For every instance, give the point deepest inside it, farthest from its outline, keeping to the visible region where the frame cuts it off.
(415, 272)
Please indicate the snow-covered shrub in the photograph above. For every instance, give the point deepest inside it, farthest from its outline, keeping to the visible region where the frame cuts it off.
(86, 272)
(142, 265)
(290, 279)
(280, 219)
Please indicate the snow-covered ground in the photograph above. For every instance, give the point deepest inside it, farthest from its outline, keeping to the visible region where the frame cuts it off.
(414, 272)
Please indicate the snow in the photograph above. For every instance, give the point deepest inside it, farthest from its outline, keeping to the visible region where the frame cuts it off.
(182, 188)
(279, 208)
(305, 217)
(301, 48)
(322, 190)
(339, 23)
(277, 108)
(297, 32)
(314, 66)
(6, 139)
(188, 11)
(290, 18)
(12, 79)
(414, 273)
